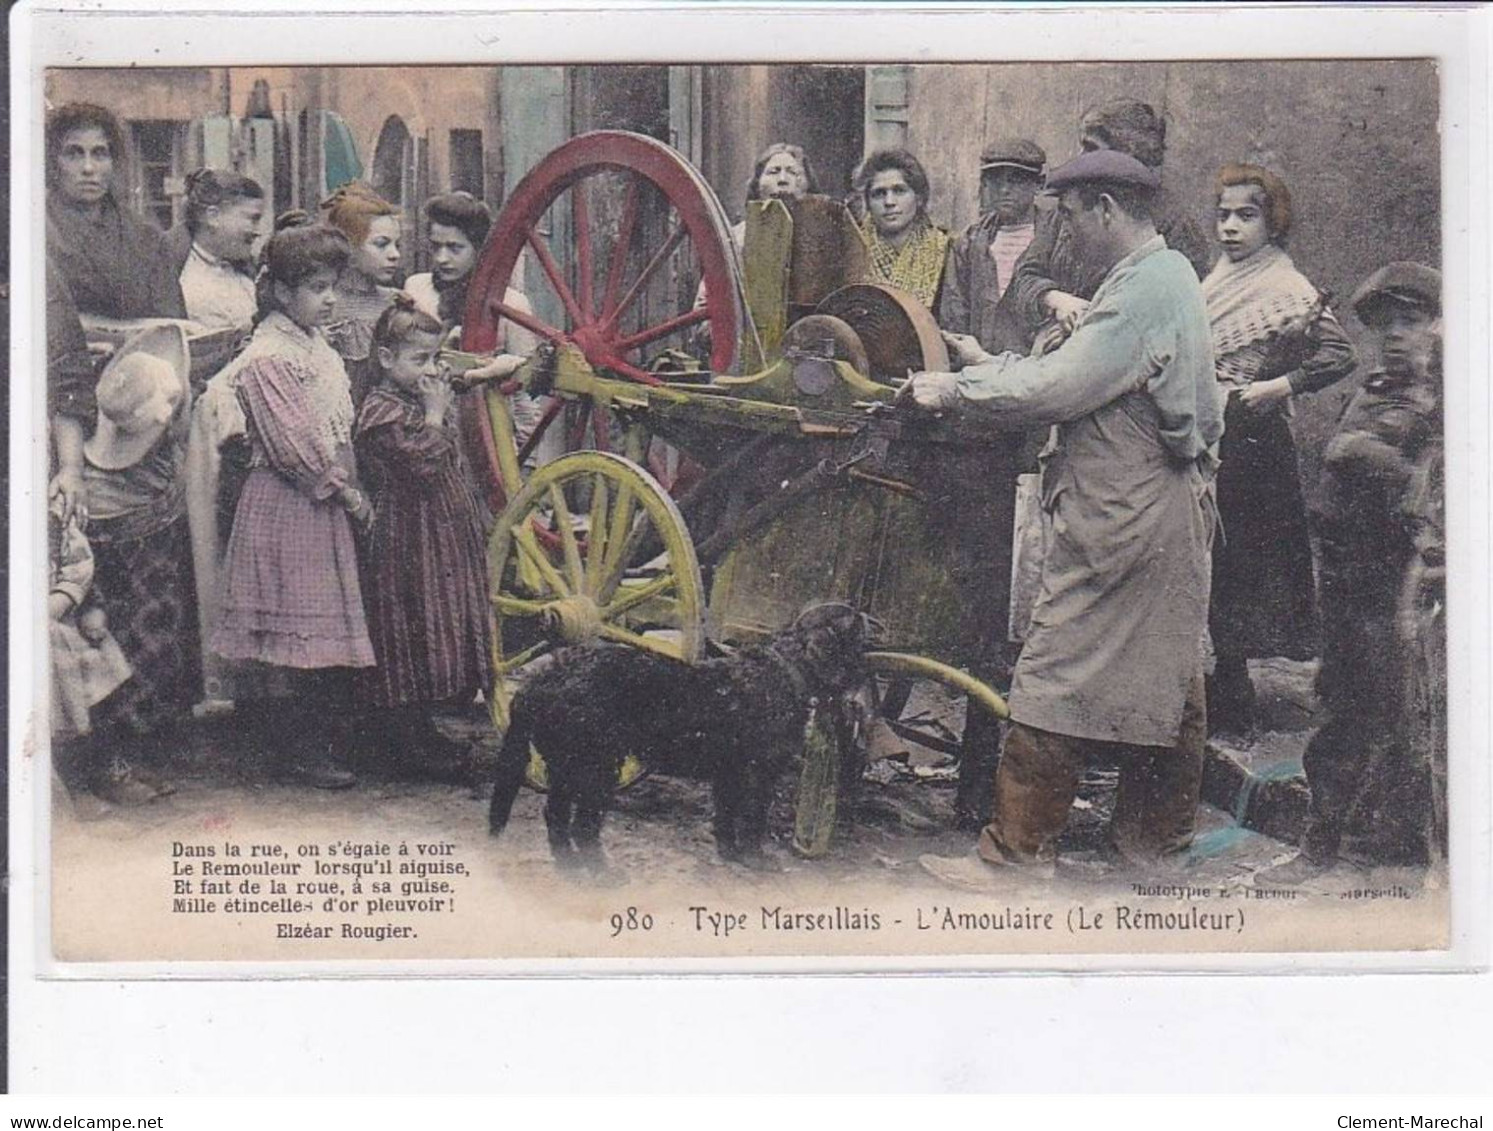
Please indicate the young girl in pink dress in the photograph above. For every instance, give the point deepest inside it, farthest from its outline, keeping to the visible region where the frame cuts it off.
(291, 596)
(425, 577)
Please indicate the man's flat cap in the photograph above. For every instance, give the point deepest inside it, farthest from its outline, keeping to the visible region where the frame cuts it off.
(1414, 284)
(1107, 165)
(1014, 153)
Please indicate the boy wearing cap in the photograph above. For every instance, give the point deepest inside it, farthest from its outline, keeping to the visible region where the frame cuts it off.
(982, 261)
(1113, 661)
(1370, 794)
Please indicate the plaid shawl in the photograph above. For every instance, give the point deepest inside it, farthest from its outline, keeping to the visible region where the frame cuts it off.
(917, 266)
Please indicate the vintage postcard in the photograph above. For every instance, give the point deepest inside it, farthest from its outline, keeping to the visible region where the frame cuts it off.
(561, 512)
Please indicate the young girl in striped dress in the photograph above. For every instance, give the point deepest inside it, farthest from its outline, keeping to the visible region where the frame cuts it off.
(424, 576)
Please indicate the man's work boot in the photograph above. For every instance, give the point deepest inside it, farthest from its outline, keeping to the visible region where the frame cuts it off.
(967, 873)
(974, 872)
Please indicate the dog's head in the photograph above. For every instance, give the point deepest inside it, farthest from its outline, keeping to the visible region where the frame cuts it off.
(832, 637)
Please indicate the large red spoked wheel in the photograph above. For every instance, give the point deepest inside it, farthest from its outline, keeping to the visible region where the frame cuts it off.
(636, 208)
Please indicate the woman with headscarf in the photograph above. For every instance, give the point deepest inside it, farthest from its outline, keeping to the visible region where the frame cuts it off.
(906, 249)
(367, 287)
(1273, 339)
(115, 263)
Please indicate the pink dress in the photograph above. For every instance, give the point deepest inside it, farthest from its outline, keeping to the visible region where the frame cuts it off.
(290, 579)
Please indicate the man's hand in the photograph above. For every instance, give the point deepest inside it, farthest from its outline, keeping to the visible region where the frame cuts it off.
(1066, 308)
(930, 392)
(500, 368)
(964, 349)
(1261, 395)
(1048, 338)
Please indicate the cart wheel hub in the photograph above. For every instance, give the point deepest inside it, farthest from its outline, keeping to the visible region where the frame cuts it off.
(592, 342)
(573, 620)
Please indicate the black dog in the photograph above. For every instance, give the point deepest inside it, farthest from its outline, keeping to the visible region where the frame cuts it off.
(737, 721)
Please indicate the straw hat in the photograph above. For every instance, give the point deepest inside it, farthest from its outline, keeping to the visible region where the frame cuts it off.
(140, 392)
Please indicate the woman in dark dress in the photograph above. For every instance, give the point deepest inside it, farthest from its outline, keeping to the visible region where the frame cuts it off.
(1273, 339)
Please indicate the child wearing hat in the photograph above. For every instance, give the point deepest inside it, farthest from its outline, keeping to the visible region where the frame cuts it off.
(137, 526)
(1370, 794)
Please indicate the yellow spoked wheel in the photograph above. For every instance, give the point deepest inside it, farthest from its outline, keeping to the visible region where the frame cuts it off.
(592, 548)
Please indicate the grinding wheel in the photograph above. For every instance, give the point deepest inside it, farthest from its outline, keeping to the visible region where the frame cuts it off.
(897, 332)
(824, 335)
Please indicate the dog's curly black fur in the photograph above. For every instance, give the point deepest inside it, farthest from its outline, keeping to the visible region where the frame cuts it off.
(736, 721)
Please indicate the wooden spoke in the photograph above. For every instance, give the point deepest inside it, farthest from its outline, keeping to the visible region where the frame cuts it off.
(621, 559)
(652, 644)
(632, 598)
(528, 546)
(519, 659)
(574, 572)
(518, 606)
(555, 407)
(575, 436)
(660, 257)
(528, 322)
(620, 249)
(552, 273)
(663, 329)
(602, 428)
(596, 532)
(642, 376)
(618, 536)
(581, 235)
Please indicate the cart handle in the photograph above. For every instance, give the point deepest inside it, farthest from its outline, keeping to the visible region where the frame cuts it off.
(921, 667)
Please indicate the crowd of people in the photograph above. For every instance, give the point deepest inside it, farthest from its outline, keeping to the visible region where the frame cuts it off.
(302, 521)
(306, 514)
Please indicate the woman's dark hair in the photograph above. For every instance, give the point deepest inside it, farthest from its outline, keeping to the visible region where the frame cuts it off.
(402, 319)
(1129, 127)
(462, 211)
(298, 250)
(793, 151)
(898, 160)
(1275, 198)
(215, 188)
(82, 116)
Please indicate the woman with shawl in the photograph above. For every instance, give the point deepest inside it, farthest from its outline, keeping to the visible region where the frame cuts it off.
(906, 249)
(115, 264)
(1273, 339)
